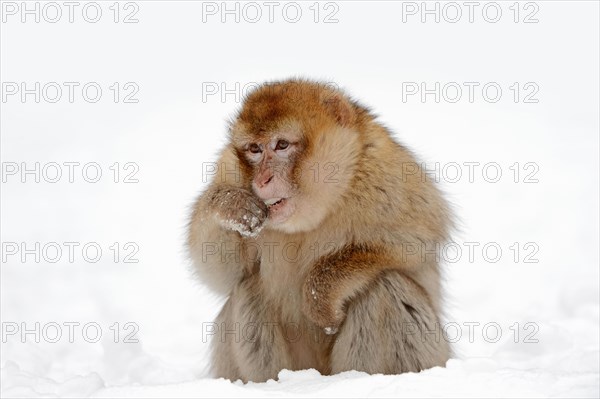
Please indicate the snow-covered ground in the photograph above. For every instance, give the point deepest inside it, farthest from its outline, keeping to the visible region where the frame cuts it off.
(525, 320)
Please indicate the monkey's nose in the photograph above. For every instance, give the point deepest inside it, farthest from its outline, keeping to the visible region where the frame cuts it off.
(268, 180)
(264, 180)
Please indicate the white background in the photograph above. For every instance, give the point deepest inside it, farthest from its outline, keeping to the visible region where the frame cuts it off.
(374, 50)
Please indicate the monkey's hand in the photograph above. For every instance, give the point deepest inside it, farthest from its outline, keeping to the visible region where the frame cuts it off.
(239, 210)
(321, 304)
(335, 280)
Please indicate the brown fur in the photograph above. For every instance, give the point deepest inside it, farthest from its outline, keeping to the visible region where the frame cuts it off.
(342, 272)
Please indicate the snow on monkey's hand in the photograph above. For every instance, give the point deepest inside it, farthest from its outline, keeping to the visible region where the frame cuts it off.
(240, 210)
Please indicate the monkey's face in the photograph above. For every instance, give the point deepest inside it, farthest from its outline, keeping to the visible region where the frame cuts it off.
(294, 153)
(272, 159)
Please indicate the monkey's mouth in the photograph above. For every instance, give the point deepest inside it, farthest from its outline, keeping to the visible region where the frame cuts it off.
(274, 204)
(280, 210)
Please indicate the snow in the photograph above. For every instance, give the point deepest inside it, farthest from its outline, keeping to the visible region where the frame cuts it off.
(243, 228)
(543, 292)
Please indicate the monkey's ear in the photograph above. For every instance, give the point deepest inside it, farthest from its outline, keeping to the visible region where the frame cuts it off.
(339, 107)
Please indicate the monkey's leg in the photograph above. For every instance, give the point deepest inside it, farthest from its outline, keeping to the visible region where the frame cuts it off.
(223, 363)
(251, 345)
(390, 328)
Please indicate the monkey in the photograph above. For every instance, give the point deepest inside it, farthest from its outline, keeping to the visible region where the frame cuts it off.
(321, 233)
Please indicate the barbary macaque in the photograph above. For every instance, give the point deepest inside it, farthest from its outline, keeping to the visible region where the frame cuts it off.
(321, 231)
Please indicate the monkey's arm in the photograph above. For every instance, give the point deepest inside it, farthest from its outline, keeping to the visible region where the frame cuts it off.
(224, 217)
(207, 245)
(336, 278)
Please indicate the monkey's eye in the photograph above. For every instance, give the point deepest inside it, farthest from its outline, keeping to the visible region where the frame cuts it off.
(254, 148)
(282, 145)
